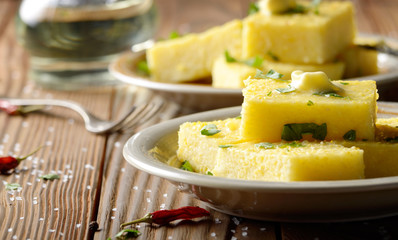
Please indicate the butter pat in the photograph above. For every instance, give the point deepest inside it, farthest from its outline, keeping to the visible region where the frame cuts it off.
(308, 37)
(307, 162)
(191, 57)
(314, 82)
(271, 104)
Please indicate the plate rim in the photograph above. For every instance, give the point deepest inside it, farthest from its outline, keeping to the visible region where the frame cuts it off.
(135, 152)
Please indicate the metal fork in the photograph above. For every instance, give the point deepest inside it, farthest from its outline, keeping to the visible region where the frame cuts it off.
(136, 115)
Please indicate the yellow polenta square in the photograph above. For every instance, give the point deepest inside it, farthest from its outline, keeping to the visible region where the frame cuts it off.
(201, 150)
(191, 57)
(266, 110)
(302, 37)
(232, 75)
(294, 161)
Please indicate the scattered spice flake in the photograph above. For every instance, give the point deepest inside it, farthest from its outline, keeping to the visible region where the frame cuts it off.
(310, 103)
(12, 186)
(186, 166)
(50, 176)
(209, 130)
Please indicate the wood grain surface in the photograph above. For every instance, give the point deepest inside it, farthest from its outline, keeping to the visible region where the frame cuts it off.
(97, 186)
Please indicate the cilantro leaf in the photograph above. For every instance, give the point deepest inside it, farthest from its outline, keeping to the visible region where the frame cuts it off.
(350, 135)
(265, 145)
(271, 74)
(228, 58)
(50, 176)
(127, 233)
(186, 166)
(289, 89)
(254, 62)
(142, 67)
(12, 186)
(310, 103)
(253, 8)
(225, 146)
(209, 173)
(209, 130)
(295, 131)
(174, 35)
(328, 94)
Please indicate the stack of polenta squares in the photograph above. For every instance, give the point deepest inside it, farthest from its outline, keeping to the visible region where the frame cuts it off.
(305, 129)
(297, 36)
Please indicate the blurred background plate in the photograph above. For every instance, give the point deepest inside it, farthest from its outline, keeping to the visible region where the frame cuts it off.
(202, 96)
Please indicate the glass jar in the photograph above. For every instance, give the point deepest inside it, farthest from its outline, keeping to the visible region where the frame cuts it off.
(71, 42)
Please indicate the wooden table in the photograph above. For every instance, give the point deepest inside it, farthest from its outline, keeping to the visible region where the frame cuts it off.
(97, 185)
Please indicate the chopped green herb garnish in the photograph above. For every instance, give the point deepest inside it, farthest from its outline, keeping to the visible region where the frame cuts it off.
(142, 67)
(273, 56)
(271, 74)
(293, 144)
(274, 75)
(269, 93)
(174, 35)
(297, 9)
(225, 146)
(209, 173)
(289, 89)
(344, 83)
(186, 166)
(209, 130)
(12, 186)
(127, 234)
(252, 62)
(228, 58)
(295, 131)
(315, 5)
(239, 117)
(265, 145)
(328, 94)
(253, 8)
(50, 176)
(310, 103)
(392, 140)
(350, 135)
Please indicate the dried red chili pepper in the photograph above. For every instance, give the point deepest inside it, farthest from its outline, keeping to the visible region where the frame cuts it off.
(11, 109)
(163, 217)
(7, 163)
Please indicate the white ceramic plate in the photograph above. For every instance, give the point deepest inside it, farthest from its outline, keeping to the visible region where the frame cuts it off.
(204, 96)
(317, 201)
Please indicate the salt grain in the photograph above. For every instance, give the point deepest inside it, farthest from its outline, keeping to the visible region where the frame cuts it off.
(236, 221)
(162, 206)
(148, 200)
(51, 230)
(88, 187)
(113, 217)
(217, 221)
(29, 183)
(114, 209)
(21, 218)
(14, 237)
(19, 198)
(12, 199)
(49, 143)
(89, 166)
(245, 228)
(263, 229)
(123, 170)
(41, 219)
(35, 202)
(234, 238)
(25, 124)
(78, 225)
(244, 234)
(135, 187)
(148, 190)
(10, 230)
(56, 209)
(117, 144)
(165, 195)
(170, 237)
(213, 234)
